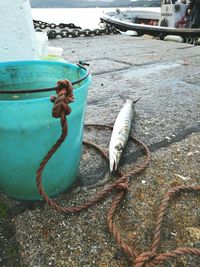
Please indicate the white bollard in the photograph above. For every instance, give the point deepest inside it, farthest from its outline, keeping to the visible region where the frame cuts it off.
(18, 41)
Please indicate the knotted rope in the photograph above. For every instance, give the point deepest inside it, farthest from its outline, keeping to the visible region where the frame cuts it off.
(65, 96)
(150, 258)
(61, 108)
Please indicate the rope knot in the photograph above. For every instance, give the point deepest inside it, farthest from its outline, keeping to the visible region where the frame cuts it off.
(64, 96)
(145, 259)
(122, 186)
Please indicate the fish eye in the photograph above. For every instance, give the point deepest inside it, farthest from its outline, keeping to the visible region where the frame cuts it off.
(119, 147)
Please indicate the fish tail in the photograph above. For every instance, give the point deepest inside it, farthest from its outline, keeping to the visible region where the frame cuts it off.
(124, 98)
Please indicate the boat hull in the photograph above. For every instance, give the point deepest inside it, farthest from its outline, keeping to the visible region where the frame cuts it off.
(156, 31)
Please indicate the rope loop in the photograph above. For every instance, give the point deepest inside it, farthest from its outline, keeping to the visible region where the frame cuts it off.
(64, 96)
(145, 259)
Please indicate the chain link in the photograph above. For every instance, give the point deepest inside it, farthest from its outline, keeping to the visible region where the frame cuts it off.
(70, 30)
(43, 25)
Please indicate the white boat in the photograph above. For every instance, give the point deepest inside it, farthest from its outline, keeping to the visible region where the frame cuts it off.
(172, 18)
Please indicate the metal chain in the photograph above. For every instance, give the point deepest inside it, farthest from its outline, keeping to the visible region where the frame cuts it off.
(70, 30)
(43, 25)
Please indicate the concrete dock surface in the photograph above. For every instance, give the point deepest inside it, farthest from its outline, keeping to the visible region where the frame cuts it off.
(166, 76)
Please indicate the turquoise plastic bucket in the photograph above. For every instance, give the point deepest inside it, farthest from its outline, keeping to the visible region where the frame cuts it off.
(27, 129)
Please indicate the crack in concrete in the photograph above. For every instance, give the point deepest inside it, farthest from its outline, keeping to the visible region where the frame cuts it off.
(121, 61)
(111, 71)
(187, 47)
(114, 60)
(158, 64)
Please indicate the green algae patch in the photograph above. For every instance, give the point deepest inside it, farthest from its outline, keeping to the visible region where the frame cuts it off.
(3, 210)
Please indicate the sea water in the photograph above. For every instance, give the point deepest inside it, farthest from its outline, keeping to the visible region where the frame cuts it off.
(86, 18)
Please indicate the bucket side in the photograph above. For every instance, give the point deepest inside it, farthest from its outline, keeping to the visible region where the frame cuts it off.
(27, 132)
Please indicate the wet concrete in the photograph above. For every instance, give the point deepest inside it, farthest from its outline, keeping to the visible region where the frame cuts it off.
(166, 76)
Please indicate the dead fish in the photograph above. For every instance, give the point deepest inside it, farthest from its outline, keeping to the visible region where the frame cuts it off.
(120, 133)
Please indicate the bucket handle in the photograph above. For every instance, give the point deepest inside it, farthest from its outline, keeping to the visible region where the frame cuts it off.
(81, 64)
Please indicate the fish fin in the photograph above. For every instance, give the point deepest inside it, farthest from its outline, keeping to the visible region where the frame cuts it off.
(135, 101)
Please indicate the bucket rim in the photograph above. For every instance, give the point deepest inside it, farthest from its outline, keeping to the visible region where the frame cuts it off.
(87, 79)
(36, 61)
